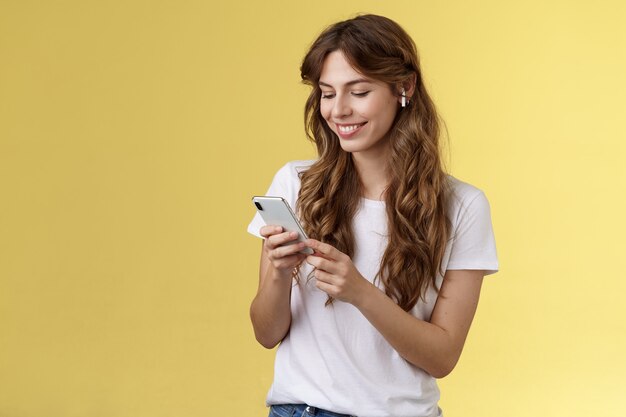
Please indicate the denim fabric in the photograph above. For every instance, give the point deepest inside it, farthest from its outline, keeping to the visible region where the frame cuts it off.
(301, 410)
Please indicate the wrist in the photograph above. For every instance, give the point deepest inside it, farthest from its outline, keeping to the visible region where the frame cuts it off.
(280, 274)
(369, 296)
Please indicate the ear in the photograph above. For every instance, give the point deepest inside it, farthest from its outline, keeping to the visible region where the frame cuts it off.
(409, 87)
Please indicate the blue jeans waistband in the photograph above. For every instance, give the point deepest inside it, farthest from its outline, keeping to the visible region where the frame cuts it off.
(302, 410)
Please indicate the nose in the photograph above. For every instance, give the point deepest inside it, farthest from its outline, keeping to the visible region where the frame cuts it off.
(341, 107)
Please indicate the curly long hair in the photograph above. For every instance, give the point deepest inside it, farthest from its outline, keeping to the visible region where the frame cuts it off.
(417, 194)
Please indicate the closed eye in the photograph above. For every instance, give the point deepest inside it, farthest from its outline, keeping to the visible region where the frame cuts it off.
(355, 94)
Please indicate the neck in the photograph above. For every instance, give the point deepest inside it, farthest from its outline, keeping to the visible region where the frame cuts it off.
(373, 174)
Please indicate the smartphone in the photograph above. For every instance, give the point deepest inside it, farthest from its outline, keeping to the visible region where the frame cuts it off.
(276, 211)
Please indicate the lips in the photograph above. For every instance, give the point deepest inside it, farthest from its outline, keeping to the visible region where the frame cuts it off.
(347, 130)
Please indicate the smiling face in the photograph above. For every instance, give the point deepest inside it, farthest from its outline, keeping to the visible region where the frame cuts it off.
(358, 109)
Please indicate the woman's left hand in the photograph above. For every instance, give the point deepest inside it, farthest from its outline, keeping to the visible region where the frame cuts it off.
(335, 273)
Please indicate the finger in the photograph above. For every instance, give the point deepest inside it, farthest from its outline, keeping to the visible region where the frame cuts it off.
(327, 288)
(269, 230)
(281, 239)
(324, 249)
(323, 276)
(320, 263)
(288, 262)
(286, 250)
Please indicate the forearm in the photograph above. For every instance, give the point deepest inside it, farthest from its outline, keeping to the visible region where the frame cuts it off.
(421, 343)
(270, 310)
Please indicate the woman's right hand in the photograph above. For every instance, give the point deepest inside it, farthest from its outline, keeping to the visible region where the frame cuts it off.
(282, 249)
(270, 311)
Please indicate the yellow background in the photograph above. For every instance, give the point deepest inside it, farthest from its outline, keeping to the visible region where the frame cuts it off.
(133, 134)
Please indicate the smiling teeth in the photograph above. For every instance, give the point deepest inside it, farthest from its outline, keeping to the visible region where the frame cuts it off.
(348, 129)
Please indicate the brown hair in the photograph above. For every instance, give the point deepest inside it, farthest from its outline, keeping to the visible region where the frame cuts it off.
(416, 198)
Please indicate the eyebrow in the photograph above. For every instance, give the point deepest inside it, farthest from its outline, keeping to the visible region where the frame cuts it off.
(349, 83)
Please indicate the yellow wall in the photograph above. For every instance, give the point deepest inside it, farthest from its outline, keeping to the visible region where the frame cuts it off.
(133, 134)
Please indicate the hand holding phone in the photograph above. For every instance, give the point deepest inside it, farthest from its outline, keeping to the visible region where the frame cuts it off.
(276, 211)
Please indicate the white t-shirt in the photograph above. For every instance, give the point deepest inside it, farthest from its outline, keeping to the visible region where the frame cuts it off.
(333, 358)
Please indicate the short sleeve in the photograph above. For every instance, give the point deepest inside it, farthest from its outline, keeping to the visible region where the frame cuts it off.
(286, 184)
(473, 242)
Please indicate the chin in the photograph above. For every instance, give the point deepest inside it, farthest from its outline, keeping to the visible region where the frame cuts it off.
(350, 147)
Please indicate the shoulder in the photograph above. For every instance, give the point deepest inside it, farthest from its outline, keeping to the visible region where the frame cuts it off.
(294, 168)
(286, 181)
(465, 198)
(461, 191)
(290, 172)
(472, 239)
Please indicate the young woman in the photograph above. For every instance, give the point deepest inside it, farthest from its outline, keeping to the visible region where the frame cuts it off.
(384, 305)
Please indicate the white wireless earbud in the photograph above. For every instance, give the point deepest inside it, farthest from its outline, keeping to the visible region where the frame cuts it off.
(403, 102)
